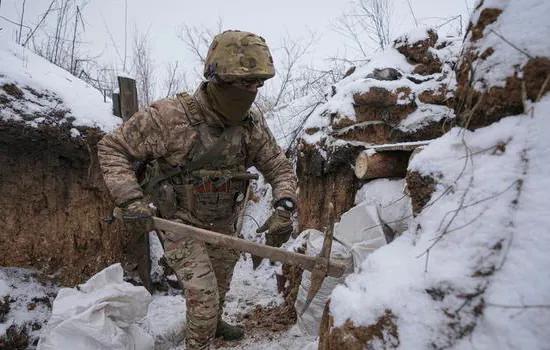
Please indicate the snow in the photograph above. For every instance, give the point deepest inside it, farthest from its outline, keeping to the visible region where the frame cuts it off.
(29, 301)
(495, 181)
(54, 90)
(513, 47)
(156, 252)
(415, 35)
(165, 320)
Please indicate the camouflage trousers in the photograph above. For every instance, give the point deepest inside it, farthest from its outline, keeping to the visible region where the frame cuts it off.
(205, 272)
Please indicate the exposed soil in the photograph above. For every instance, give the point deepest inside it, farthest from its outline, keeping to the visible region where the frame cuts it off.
(54, 202)
(419, 53)
(438, 97)
(263, 322)
(351, 337)
(281, 317)
(420, 190)
(487, 16)
(475, 109)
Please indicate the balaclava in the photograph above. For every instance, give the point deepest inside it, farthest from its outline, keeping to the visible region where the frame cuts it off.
(230, 101)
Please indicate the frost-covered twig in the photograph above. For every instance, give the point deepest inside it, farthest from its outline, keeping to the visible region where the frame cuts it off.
(542, 88)
(460, 206)
(496, 147)
(504, 306)
(510, 43)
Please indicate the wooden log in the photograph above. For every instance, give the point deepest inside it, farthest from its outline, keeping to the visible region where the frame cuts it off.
(369, 165)
(128, 97)
(334, 269)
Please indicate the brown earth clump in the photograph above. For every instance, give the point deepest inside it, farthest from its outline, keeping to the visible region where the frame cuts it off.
(420, 190)
(353, 337)
(13, 90)
(476, 109)
(281, 317)
(487, 16)
(419, 53)
(54, 203)
(437, 97)
(484, 105)
(380, 104)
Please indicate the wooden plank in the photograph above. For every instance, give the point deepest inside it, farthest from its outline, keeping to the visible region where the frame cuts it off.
(335, 269)
(128, 97)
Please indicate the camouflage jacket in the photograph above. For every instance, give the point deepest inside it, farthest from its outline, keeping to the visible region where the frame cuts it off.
(164, 131)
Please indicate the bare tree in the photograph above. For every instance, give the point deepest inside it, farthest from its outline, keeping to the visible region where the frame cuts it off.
(101, 77)
(367, 20)
(21, 22)
(62, 47)
(40, 22)
(197, 41)
(175, 80)
(294, 76)
(143, 68)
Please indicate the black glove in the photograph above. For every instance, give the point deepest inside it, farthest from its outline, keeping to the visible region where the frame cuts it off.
(279, 226)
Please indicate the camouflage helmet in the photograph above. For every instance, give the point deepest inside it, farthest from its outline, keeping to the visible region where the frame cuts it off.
(235, 54)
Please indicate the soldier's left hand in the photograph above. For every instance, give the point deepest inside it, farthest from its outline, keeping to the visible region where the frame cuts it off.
(278, 226)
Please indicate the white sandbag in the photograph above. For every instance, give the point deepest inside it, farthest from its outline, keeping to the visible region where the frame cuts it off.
(392, 203)
(102, 313)
(309, 321)
(361, 231)
(382, 211)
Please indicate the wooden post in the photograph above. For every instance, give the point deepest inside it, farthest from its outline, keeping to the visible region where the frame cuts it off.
(381, 164)
(128, 97)
(116, 104)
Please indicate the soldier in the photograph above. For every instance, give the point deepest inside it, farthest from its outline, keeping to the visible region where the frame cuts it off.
(199, 148)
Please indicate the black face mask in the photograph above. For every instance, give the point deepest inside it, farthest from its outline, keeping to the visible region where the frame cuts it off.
(230, 101)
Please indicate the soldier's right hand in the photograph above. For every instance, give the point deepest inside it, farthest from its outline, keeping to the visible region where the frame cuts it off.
(135, 210)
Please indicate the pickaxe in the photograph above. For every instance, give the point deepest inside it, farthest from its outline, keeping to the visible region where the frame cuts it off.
(320, 266)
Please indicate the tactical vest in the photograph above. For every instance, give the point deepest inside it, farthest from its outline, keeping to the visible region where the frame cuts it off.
(208, 186)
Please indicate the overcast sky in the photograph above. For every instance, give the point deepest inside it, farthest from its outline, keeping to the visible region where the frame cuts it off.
(274, 20)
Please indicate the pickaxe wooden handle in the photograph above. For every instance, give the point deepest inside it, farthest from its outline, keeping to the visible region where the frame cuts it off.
(310, 263)
(319, 272)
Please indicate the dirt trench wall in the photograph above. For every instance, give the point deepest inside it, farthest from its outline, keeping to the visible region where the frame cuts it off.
(53, 203)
